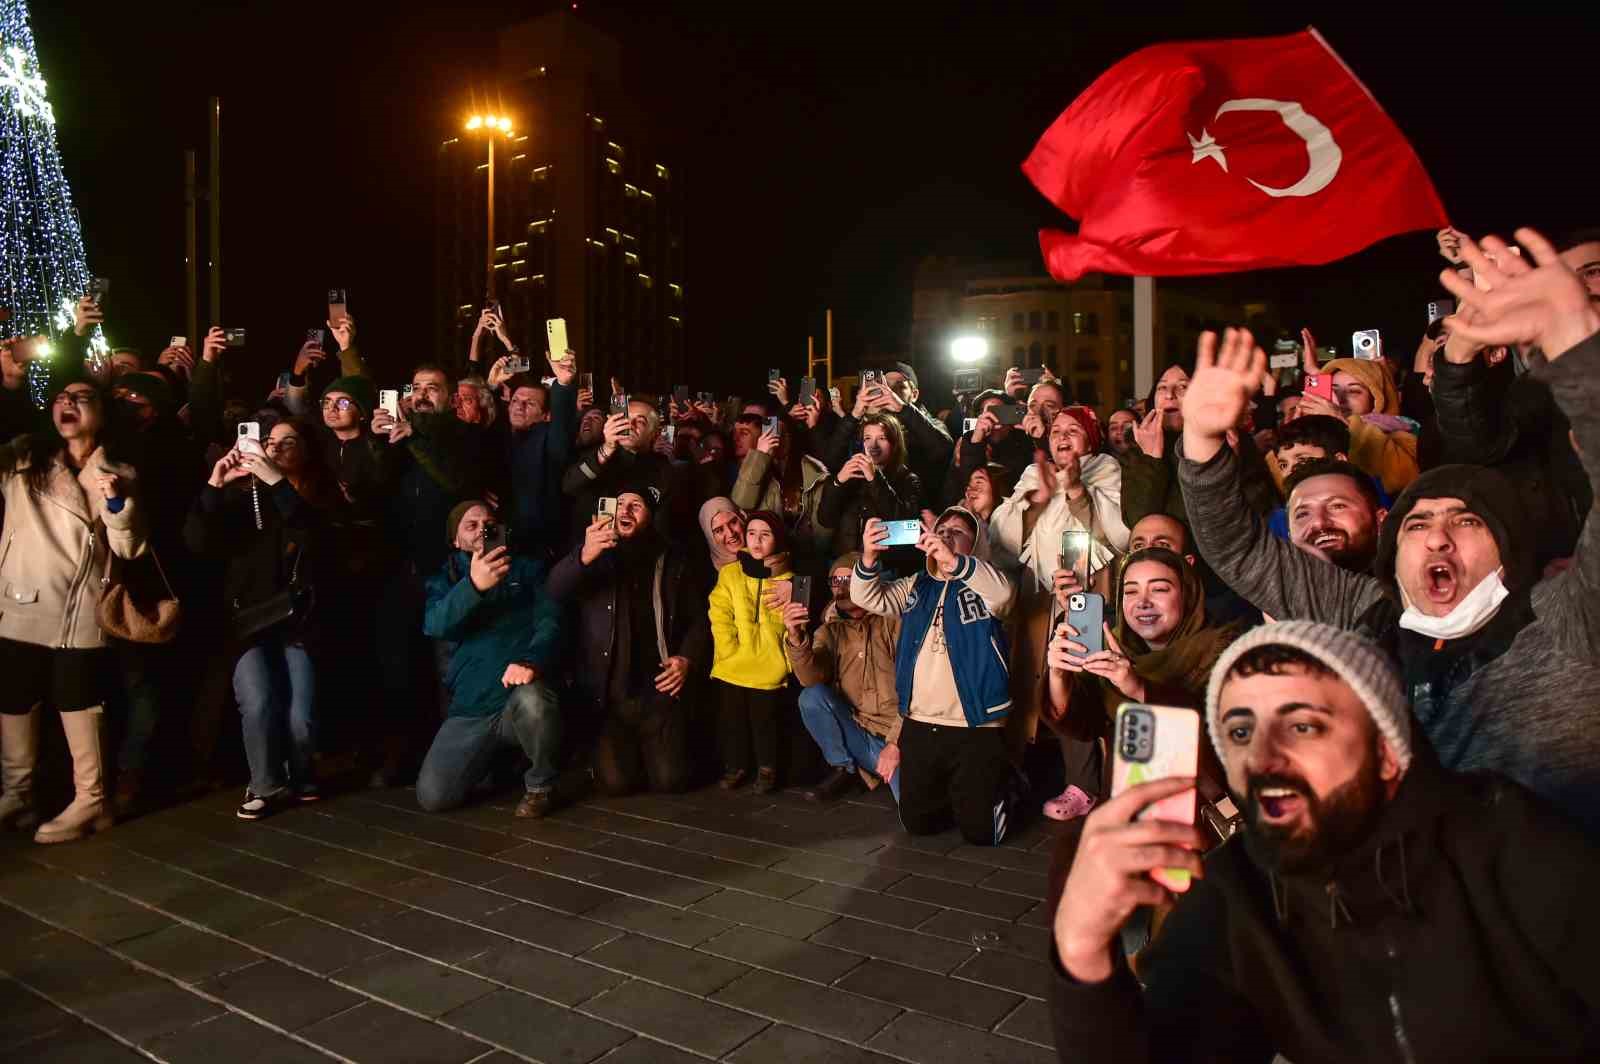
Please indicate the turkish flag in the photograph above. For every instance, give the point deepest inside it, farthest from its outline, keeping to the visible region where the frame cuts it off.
(1216, 156)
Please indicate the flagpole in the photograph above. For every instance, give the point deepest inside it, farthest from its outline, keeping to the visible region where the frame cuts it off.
(1144, 345)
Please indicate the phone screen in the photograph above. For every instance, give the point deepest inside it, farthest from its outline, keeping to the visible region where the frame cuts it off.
(338, 298)
(802, 591)
(903, 533)
(1075, 554)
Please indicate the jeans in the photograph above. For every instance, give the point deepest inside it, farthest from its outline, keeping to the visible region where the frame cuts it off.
(830, 719)
(275, 686)
(643, 737)
(463, 750)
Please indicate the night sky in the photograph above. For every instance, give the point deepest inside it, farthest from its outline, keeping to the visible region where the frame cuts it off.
(826, 148)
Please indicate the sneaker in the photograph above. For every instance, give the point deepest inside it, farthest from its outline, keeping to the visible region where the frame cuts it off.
(1070, 804)
(306, 793)
(256, 806)
(766, 780)
(732, 780)
(536, 804)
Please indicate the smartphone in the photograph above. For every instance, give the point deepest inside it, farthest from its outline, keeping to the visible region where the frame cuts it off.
(680, 394)
(1367, 344)
(338, 298)
(1075, 554)
(903, 533)
(1440, 308)
(870, 378)
(494, 536)
(1157, 743)
(833, 393)
(235, 337)
(1010, 413)
(517, 364)
(964, 380)
(406, 390)
(774, 376)
(249, 440)
(607, 508)
(808, 390)
(98, 289)
(314, 337)
(1086, 612)
(772, 425)
(1031, 376)
(705, 397)
(283, 380)
(1285, 355)
(801, 591)
(555, 335)
(968, 426)
(178, 341)
(389, 400)
(619, 404)
(669, 433)
(586, 380)
(1319, 385)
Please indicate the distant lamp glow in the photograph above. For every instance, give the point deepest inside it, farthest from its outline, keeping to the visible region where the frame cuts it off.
(505, 124)
(475, 122)
(969, 348)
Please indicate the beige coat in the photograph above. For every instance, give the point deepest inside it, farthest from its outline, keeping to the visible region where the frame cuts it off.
(55, 556)
(857, 656)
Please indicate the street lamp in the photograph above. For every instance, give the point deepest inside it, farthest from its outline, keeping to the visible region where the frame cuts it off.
(494, 127)
(969, 349)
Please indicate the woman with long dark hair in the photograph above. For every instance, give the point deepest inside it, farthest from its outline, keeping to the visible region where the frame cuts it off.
(776, 476)
(265, 514)
(68, 509)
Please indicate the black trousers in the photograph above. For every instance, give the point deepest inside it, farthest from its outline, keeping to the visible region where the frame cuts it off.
(960, 774)
(749, 721)
(644, 741)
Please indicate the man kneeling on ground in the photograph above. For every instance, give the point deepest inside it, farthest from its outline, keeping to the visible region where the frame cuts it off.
(1374, 906)
(507, 635)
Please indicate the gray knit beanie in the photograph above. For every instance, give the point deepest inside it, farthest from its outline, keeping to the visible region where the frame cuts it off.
(1356, 660)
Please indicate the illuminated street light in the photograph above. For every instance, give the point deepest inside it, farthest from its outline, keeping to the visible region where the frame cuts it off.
(497, 126)
(969, 349)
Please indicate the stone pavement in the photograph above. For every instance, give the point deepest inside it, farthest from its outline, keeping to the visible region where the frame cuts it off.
(663, 929)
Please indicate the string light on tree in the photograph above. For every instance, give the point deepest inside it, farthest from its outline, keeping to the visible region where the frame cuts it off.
(43, 267)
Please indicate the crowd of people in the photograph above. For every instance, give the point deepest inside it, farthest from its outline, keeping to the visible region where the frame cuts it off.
(1364, 579)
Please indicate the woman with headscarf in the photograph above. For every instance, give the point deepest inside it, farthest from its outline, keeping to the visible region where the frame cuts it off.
(1159, 650)
(722, 523)
(748, 661)
(1382, 443)
(1069, 488)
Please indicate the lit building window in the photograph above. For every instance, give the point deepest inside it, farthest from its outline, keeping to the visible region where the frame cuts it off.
(615, 236)
(538, 228)
(615, 148)
(518, 265)
(614, 167)
(597, 243)
(596, 123)
(1077, 324)
(541, 173)
(630, 191)
(537, 279)
(630, 259)
(520, 250)
(647, 194)
(646, 281)
(676, 290)
(674, 319)
(662, 173)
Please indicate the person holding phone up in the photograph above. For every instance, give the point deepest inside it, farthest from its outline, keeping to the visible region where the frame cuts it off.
(492, 605)
(950, 677)
(1365, 876)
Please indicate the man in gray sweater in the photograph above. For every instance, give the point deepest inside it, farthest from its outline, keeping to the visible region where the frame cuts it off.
(1500, 668)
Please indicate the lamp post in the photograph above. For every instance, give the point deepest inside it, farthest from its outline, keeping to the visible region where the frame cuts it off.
(494, 126)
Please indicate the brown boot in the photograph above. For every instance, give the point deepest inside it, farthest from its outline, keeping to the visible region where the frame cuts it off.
(766, 780)
(88, 812)
(838, 783)
(535, 804)
(19, 746)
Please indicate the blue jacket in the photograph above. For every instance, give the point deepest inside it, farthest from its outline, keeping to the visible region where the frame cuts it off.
(515, 621)
(535, 461)
(975, 600)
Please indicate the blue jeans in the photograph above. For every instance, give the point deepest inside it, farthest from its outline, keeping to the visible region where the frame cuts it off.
(830, 718)
(276, 688)
(462, 751)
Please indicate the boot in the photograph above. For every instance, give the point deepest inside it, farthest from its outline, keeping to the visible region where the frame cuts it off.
(88, 812)
(839, 782)
(19, 745)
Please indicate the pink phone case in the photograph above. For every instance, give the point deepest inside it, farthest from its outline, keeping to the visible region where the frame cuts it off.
(1319, 385)
(1173, 740)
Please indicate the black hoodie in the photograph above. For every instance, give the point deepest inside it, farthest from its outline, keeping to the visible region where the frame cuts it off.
(1460, 930)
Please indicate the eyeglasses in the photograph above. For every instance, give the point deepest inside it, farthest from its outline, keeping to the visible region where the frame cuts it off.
(81, 399)
(839, 581)
(338, 404)
(288, 443)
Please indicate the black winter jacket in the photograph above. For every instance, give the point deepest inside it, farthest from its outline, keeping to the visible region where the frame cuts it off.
(1461, 930)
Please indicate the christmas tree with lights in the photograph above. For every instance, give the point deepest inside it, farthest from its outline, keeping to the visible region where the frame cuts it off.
(43, 269)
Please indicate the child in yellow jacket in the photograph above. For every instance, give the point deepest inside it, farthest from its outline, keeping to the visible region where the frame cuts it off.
(748, 663)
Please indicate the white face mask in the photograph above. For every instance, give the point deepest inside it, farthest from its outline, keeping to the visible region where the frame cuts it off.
(1469, 615)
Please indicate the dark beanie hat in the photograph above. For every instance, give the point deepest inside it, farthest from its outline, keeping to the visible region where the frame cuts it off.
(648, 492)
(453, 522)
(780, 532)
(358, 388)
(152, 387)
(1486, 493)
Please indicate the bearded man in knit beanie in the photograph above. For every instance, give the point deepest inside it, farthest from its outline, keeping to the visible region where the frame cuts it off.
(1499, 666)
(1373, 907)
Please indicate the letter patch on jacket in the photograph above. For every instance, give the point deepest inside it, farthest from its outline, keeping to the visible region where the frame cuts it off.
(973, 608)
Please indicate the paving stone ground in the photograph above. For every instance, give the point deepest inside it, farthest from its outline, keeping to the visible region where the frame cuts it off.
(704, 926)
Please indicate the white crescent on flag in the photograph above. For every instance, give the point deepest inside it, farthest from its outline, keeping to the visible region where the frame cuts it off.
(1322, 151)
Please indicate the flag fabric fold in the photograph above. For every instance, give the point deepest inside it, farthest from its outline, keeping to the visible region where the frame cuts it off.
(1217, 156)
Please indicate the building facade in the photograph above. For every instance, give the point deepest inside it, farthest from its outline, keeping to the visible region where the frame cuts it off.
(1083, 332)
(589, 212)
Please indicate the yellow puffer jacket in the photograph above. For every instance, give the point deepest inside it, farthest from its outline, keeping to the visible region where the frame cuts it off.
(748, 636)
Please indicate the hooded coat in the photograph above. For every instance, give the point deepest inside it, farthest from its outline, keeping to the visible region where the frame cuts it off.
(746, 633)
(1517, 696)
(1459, 930)
(1379, 444)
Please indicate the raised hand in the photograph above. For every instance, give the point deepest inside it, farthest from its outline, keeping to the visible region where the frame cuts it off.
(344, 331)
(1308, 353)
(488, 570)
(310, 356)
(1545, 304)
(599, 537)
(1219, 393)
(1148, 435)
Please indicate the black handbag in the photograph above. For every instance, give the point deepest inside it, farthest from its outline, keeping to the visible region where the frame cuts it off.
(289, 606)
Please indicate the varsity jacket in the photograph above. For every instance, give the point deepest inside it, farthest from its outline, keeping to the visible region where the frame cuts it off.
(975, 600)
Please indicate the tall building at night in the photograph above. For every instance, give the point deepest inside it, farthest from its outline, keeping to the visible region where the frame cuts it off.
(589, 212)
(1083, 331)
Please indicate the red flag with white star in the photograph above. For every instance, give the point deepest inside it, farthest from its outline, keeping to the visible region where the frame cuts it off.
(1216, 156)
